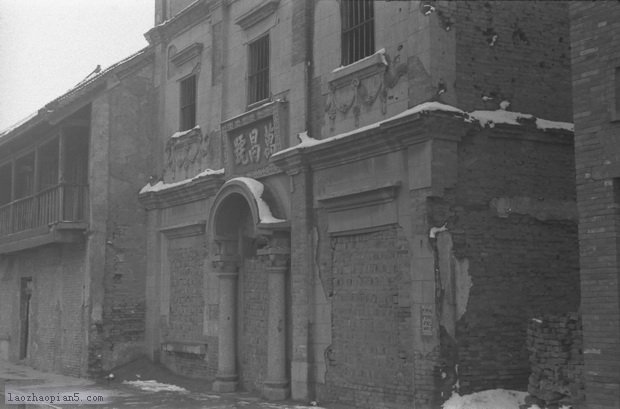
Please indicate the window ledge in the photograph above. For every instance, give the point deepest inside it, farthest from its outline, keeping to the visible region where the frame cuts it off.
(363, 68)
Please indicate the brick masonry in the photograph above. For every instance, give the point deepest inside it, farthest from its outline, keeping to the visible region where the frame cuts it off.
(253, 310)
(595, 30)
(56, 331)
(521, 264)
(370, 361)
(556, 359)
(516, 51)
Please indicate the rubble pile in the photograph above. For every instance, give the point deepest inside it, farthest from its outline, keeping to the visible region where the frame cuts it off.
(556, 360)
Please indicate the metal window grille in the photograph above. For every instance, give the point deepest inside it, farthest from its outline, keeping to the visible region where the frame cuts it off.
(358, 29)
(258, 73)
(188, 103)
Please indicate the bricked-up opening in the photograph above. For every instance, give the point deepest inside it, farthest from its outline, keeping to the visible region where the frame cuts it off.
(188, 103)
(258, 71)
(358, 30)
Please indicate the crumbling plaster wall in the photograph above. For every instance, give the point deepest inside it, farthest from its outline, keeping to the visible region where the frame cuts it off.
(505, 247)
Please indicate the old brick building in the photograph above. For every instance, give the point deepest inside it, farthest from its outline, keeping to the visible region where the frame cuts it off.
(595, 40)
(72, 244)
(358, 201)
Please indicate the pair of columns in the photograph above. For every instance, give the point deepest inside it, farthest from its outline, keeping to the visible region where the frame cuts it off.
(276, 385)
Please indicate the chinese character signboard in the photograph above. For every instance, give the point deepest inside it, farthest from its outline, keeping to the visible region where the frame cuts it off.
(252, 139)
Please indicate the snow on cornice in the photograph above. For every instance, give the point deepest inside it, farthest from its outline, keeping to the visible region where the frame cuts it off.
(380, 53)
(257, 189)
(484, 118)
(159, 186)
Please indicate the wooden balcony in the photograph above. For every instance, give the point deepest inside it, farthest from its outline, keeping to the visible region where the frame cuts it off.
(57, 214)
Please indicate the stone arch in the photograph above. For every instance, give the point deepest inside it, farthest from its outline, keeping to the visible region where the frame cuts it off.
(244, 230)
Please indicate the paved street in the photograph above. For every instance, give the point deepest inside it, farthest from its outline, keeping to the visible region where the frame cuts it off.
(174, 392)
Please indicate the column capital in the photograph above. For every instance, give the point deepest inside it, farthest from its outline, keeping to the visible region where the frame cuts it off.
(278, 249)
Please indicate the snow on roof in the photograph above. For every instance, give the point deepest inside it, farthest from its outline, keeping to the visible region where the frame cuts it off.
(306, 141)
(257, 189)
(159, 186)
(485, 118)
(154, 386)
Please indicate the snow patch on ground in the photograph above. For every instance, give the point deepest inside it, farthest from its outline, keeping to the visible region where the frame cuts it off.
(163, 186)
(154, 386)
(257, 188)
(490, 399)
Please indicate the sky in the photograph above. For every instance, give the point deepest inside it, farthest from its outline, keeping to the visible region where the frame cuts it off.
(48, 46)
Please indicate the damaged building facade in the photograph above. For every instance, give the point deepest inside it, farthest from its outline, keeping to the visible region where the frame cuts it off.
(595, 40)
(358, 202)
(72, 242)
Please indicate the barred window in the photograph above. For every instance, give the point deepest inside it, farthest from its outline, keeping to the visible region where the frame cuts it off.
(358, 30)
(258, 72)
(188, 103)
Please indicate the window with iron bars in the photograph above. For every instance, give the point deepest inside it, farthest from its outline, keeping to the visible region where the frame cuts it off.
(188, 103)
(358, 30)
(258, 72)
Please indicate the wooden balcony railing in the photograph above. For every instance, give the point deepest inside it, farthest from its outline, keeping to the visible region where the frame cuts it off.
(60, 203)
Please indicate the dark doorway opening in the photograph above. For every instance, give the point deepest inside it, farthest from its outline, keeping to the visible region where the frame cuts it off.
(24, 315)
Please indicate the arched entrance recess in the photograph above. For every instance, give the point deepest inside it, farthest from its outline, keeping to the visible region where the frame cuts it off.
(245, 233)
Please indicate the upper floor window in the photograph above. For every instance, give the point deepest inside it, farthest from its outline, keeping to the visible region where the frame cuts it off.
(188, 103)
(616, 109)
(358, 30)
(258, 72)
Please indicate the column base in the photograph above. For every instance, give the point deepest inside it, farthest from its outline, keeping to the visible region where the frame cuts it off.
(225, 383)
(276, 390)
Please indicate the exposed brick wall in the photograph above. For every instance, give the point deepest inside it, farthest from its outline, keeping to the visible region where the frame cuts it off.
(556, 359)
(595, 33)
(253, 323)
(516, 51)
(521, 264)
(56, 336)
(370, 362)
(121, 337)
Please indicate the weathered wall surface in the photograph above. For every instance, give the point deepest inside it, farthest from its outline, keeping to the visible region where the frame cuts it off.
(595, 30)
(121, 334)
(510, 251)
(56, 331)
(512, 50)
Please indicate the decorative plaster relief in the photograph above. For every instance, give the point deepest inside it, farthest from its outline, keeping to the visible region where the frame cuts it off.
(185, 154)
(361, 84)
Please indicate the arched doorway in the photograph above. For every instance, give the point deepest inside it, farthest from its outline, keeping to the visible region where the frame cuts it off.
(251, 262)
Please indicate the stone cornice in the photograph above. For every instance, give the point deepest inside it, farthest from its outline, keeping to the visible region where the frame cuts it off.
(257, 14)
(195, 190)
(360, 197)
(189, 17)
(390, 136)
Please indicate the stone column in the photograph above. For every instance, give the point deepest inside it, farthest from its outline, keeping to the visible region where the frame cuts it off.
(276, 386)
(227, 271)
